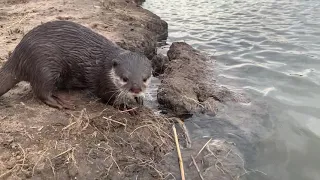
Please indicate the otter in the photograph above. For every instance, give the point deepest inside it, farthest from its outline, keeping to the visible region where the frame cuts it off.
(62, 54)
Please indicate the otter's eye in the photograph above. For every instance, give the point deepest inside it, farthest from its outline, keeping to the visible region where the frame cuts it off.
(125, 79)
(145, 79)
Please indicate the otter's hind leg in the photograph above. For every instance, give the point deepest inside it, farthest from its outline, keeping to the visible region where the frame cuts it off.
(44, 87)
(7, 81)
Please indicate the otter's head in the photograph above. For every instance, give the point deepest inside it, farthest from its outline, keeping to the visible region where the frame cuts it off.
(131, 73)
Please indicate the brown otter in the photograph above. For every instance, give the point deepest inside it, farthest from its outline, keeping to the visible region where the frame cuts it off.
(63, 55)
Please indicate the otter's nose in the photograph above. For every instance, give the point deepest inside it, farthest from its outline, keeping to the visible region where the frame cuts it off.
(135, 90)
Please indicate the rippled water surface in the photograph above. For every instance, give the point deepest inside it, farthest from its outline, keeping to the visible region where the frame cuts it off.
(271, 49)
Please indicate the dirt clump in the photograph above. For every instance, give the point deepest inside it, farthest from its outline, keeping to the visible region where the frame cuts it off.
(188, 85)
(139, 29)
(95, 141)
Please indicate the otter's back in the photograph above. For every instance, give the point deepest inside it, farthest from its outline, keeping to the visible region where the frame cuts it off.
(64, 45)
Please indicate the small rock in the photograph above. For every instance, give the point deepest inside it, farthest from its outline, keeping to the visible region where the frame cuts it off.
(159, 64)
(7, 141)
(72, 171)
(186, 85)
(40, 166)
(5, 156)
(11, 163)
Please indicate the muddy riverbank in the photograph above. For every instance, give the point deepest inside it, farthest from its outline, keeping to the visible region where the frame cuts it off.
(96, 141)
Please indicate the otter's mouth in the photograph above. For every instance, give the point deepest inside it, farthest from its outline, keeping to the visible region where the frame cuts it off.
(137, 97)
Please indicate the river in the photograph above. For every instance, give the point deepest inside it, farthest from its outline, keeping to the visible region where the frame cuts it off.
(270, 49)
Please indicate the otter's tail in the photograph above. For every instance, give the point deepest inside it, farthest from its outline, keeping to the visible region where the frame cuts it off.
(7, 80)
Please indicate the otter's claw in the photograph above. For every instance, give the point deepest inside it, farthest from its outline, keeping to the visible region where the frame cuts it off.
(139, 100)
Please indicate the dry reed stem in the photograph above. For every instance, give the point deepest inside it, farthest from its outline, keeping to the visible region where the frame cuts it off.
(139, 128)
(195, 164)
(69, 125)
(109, 119)
(205, 145)
(128, 110)
(179, 152)
(64, 152)
(185, 131)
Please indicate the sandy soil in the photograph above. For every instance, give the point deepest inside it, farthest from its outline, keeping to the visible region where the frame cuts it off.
(94, 141)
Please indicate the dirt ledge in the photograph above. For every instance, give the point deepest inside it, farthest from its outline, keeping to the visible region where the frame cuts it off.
(188, 85)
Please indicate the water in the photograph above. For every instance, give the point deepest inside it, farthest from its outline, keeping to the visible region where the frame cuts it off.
(270, 49)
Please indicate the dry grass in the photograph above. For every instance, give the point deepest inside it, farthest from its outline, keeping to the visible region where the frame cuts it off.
(79, 138)
(18, 166)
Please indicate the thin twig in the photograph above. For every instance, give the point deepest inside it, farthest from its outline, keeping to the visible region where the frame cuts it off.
(201, 150)
(24, 154)
(66, 151)
(11, 170)
(128, 110)
(179, 153)
(71, 124)
(17, 165)
(139, 128)
(109, 119)
(203, 147)
(52, 168)
(35, 165)
(195, 164)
